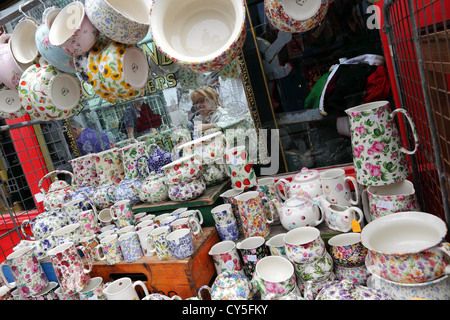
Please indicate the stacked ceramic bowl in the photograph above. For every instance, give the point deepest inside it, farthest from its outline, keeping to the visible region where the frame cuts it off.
(209, 151)
(408, 256)
(312, 263)
(349, 256)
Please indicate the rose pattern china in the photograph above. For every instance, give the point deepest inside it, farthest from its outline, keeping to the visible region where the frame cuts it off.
(378, 154)
(349, 290)
(85, 172)
(304, 245)
(318, 270)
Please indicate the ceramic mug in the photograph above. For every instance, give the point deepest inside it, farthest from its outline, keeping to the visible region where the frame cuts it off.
(317, 270)
(304, 245)
(266, 187)
(252, 250)
(157, 243)
(340, 218)
(85, 173)
(335, 187)
(187, 223)
(251, 212)
(379, 201)
(228, 197)
(378, 154)
(223, 214)
(225, 256)
(69, 267)
(73, 208)
(228, 231)
(126, 229)
(124, 289)
(122, 212)
(105, 217)
(274, 276)
(276, 245)
(89, 223)
(89, 243)
(143, 233)
(347, 250)
(130, 155)
(195, 214)
(131, 247)
(93, 290)
(111, 250)
(70, 233)
(10, 105)
(181, 243)
(29, 277)
(72, 31)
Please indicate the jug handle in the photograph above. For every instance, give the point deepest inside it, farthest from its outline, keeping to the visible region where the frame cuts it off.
(107, 193)
(22, 228)
(283, 183)
(413, 129)
(271, 209)
(200, 216)
(88, 259)
(445, 248)
(149, 242)
(204, 287)
(355, 186)
(360, 213)
(366, 207)
(137, 167)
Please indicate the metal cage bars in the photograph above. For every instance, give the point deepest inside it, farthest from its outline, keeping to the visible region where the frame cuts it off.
(409, 26)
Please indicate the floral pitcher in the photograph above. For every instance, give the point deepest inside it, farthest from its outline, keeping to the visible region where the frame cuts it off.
(378, 154)
(130, 155)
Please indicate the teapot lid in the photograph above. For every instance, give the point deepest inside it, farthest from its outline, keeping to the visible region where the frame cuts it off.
(58, 185)
(306, 175)
(229, 279)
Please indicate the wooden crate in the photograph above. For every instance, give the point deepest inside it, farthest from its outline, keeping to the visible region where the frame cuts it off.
(181, 277)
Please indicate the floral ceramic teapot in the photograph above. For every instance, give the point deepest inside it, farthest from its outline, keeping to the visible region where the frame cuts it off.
(154, 189)
(127, 189)
(44, 224)
(306, 183)
(298, 212)
(230, 285)
(59, 191)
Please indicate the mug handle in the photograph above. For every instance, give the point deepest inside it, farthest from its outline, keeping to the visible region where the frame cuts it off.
(360, 213)
(114, 216)
(200, 216)
(355, 186)
(97, 252)
(281, 182)
(137, 166)
(142, 285)
(366, 206)
(413, 129)
(204, 287)
(271, 209)
(88, 259)
(198, 228)
(150, 244)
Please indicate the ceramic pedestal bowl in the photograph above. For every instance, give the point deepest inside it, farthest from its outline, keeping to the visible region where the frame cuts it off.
(200, 35)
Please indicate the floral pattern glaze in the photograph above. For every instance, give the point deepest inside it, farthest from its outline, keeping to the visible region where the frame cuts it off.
(113, 24)
(154, 189)
(281, 20)
(122, 211)
(127, 190)
(181, 243)
(69, 268)
(27, 272)
(228, 231)
(250, 258)
(378, 155)
(112, 252)
(251, 212)
(356, 274)
(131, 154)
(348, 290)
(109, 167)
(239, 169)
(131, 247)
(230, 285)
(352, 255)
(11, 72)
(305, 252)
(318, 270)
(213, 173)
(187, 190)
(85, 171)
(229, 260)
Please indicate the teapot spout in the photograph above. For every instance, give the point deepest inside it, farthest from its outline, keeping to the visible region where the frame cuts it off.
(322, 200)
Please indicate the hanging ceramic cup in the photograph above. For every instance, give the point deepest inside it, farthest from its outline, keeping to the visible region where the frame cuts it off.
(124, 22)
(11, 69)
(378, 155)
(118, 72)
(203, 35)
(295, 16)
(23, 45)
(72, 31)
(54, 55)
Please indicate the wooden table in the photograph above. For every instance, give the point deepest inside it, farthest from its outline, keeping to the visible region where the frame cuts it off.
(204, 203)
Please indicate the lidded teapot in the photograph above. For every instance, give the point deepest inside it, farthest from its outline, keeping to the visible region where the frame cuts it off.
(158, 158)
(154, 188)
(298, 212)
(306, 183)
(59, 191)
(230, 285)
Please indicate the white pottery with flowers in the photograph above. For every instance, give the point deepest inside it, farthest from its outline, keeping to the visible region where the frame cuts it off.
(306, 183)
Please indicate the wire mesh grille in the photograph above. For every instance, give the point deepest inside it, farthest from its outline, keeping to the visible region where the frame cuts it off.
(27, 151)
(419, 42)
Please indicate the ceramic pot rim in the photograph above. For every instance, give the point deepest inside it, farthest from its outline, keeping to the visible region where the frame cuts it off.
(19, 252)
(60, 248)
(420, 217)
(250, 241)
(311, 235)
(231, 193)
(410, 285)
(332, 173)
(127, 16)
(368, 106)
(127, 284)
(228, 244)
(282, 260)
(234, 37)
(383, 193)
(92, 284)
(276, 239)
(221, 206)
(304, 18)
(71, 227)
(345, 239)
(12, 40)
(52, 33)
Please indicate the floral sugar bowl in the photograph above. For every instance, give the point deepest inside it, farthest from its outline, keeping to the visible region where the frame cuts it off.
(230, 285)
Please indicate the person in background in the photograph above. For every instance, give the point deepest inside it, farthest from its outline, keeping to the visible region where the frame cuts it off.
(207, 110)
(139, 119)
(89, 140)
